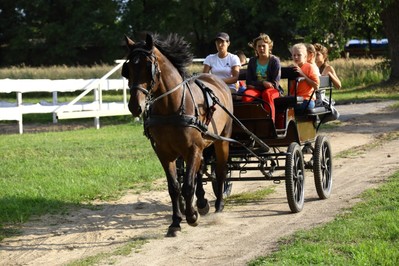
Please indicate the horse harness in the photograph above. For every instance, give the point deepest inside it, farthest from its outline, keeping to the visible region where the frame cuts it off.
(180, 118)
(152, 64)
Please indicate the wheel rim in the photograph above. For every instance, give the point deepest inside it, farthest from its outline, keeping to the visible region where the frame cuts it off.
(326, 166)
(298, 179)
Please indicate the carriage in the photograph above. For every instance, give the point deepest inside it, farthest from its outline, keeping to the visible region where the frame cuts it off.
(281, 150)
(197, 129)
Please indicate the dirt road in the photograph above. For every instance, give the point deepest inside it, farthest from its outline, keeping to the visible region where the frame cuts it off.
(234, 237)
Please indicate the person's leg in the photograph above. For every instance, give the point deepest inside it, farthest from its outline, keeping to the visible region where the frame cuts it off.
(250, 92)
(268, 96)
(305, 105)
(311, 104)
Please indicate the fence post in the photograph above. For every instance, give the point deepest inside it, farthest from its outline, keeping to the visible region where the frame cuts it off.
(55, 102)
(97, 101)
(19, 104)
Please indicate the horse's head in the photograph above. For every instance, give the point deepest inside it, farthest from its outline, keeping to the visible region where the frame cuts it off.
(141, 70)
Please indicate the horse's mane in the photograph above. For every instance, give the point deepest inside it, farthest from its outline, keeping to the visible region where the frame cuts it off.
(177, 50)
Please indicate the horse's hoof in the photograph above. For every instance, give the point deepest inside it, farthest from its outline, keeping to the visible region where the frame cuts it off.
(219, 206)
(194, 220)
(173, 231)
(203, 210)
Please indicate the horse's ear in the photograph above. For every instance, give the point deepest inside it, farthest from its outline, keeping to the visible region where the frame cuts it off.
(129, 42)
(149, 42)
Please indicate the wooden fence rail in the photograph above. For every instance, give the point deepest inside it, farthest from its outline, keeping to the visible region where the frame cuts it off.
(75, 109)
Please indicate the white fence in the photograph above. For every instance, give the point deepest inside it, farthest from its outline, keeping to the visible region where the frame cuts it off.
(75, 109)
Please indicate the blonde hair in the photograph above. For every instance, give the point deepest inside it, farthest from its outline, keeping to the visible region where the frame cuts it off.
(299, 46)
(264, 37)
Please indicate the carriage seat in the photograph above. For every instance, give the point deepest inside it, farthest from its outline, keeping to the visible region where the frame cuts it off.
(317, 111)
(284, 102)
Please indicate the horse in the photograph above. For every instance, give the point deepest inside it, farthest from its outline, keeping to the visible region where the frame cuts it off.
(182, 116)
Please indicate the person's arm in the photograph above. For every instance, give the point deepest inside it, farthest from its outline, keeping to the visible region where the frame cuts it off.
(274, 73)
(235, 71)
(206, 69)
(333, 76)
(207, 64)
(311, 78)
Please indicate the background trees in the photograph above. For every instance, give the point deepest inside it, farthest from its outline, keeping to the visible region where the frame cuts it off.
(48, 32)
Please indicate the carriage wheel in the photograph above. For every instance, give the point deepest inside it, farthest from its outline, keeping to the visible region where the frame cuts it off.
(295, 177)
(322, 167)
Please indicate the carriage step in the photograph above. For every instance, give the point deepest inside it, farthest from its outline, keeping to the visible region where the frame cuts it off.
(280, 131)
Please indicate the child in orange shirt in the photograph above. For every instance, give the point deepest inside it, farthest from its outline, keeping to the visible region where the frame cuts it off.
(310, 80)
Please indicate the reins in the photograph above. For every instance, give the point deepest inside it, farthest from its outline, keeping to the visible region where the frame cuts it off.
(184, 82)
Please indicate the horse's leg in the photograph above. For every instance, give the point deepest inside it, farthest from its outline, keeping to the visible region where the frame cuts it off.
(222, 155)
(192, 167)
(174, 193)
(202, 202)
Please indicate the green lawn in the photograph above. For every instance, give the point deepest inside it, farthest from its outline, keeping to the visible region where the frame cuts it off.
(49, 172)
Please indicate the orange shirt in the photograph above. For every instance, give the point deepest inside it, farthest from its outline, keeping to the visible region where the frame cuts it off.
(304, 89)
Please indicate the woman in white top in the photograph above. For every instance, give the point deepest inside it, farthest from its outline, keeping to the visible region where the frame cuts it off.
(223, 64)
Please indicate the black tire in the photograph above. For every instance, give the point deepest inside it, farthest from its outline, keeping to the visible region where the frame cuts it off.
(295, 177)
(322, 167)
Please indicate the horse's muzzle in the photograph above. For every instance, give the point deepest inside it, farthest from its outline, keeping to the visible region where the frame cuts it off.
(136, 110)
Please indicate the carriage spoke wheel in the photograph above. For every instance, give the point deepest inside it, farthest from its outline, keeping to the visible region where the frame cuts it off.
(322, 167)
(295, 177)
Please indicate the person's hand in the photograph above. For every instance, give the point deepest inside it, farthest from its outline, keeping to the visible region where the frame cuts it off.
(267, 84)
(299, 71)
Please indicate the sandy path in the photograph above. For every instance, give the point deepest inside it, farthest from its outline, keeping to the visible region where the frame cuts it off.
(234, 237)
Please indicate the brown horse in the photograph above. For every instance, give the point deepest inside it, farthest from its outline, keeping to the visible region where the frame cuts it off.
(182, 116)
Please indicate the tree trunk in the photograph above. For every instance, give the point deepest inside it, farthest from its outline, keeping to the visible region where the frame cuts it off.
(390, 20)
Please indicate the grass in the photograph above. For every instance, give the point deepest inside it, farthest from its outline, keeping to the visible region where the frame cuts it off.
(367, 234)
(57, 72)
(133, 245)
(250, 196)
(51, 172)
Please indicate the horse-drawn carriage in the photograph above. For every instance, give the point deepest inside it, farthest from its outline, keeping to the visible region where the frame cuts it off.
(200, 134)
(264, 149)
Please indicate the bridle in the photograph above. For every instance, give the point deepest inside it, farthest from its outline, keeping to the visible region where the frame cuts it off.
(152, 65)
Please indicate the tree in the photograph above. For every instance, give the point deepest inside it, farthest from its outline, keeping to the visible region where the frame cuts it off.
(45, 32)
(333, 22)
(390, 20)
(59, 32)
